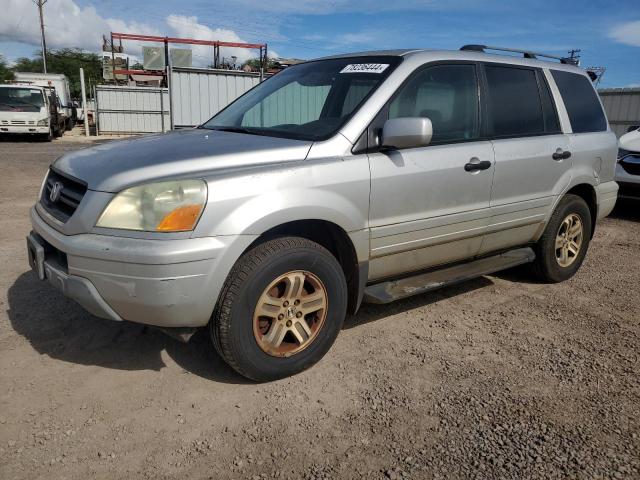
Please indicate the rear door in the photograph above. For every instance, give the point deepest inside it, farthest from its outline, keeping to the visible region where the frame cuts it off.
(533, 165)
(593, 145)
(426, 209)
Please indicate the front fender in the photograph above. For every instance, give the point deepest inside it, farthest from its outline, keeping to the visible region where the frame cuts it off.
(252, 203)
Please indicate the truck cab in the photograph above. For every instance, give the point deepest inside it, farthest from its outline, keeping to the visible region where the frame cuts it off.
(60, 83)
(27, 109)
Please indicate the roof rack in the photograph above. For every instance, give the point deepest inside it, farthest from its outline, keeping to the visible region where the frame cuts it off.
(525, 53)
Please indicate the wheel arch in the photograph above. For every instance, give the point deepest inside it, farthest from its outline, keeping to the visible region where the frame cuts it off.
(587, 192)
(337, 241)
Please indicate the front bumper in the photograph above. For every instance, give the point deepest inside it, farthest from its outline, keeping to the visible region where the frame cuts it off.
(167, 283)
(23, 129)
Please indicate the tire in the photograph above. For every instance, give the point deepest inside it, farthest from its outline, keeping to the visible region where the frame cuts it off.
(550, 266)
(47, 137)
(235, 327)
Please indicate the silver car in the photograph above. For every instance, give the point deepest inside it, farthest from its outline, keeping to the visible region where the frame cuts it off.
(369, 176)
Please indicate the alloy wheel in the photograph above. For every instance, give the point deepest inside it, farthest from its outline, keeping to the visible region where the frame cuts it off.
(569, 240)
(290, 313)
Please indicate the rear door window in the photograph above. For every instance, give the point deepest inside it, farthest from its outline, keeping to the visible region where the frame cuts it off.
(581, 101)
(513, 97)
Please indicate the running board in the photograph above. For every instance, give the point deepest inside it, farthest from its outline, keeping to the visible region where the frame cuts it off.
(387, 292)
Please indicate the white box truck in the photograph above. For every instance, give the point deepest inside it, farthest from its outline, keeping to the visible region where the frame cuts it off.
(60, 82)
(29, 109)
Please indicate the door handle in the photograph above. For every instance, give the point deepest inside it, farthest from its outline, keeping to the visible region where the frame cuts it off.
(560, 154)
(475, 165)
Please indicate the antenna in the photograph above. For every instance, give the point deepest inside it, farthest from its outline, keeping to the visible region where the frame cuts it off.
(574, 57)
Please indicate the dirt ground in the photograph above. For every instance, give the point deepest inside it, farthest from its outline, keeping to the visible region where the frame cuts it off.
(500, 377)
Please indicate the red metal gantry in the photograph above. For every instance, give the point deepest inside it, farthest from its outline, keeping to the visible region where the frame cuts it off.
(216, 44)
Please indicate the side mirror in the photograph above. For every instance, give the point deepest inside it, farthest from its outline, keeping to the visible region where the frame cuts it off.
(407, 132)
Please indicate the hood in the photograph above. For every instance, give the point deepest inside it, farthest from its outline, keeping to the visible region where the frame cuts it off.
(631, 141)
(112, 166)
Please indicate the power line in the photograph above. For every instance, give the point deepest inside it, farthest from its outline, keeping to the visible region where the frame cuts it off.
(40, 4)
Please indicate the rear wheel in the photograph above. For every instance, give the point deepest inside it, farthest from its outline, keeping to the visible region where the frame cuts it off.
(280, 309)
(564, 243)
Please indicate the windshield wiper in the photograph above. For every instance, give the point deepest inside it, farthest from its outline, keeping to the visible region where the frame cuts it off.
(9, 105)
(236, 130)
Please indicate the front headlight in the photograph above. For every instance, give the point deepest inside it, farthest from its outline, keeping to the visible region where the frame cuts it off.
(157, 207)
(43, 123)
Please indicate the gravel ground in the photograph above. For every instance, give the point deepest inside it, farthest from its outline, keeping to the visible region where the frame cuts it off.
(500, 377)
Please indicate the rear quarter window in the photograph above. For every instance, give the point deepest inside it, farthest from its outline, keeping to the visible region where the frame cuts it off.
(581, 101)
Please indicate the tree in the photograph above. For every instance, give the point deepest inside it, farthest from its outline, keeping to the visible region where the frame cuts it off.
(5, 72)
(254, 63)
(67, 61)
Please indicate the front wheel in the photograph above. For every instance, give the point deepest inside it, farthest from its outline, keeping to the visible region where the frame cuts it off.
(47, 137)
(564, 243)
(280, 309)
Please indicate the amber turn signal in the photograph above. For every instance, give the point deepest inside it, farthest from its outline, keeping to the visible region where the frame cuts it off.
(181, 219)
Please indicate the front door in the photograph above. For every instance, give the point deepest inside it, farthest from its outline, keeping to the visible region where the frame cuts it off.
(430, 205)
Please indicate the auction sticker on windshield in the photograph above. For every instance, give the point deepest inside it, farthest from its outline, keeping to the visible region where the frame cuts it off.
(365, 68)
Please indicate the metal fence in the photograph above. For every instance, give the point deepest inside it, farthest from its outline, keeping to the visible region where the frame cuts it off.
(198, 94)
(132, 110)
(623, 108)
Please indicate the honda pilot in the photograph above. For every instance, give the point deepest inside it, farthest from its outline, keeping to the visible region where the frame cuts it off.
(364, 177)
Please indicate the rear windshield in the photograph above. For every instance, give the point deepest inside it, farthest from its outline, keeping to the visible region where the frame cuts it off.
(310, 101)
(22, 99)
(581, 101)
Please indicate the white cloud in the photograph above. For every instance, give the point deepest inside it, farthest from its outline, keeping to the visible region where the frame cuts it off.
(188, 27)
(627, 33)
(68, 25)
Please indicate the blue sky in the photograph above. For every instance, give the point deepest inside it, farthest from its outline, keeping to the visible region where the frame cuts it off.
(607, 32)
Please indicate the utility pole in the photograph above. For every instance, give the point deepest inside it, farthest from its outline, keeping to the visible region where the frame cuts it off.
(84, 102)
(40, 4)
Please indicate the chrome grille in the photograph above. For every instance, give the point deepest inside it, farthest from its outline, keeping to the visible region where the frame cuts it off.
(61, 195)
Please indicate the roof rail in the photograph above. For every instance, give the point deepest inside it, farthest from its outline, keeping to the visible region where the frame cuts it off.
(525, 53)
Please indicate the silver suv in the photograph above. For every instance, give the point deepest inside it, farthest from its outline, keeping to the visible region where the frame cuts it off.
(369, 176)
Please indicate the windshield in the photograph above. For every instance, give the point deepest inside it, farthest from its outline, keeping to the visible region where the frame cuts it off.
(21, 99)
(310, 101)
